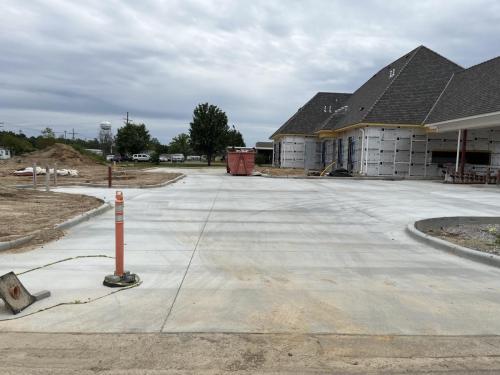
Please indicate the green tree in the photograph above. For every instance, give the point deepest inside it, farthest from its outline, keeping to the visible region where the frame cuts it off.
(48, 133)
(132, 138)
(234, 138)
(180, 144)
(17, 143)
(208, 130)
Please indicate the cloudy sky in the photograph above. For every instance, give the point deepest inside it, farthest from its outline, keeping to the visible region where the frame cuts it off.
(72, 64)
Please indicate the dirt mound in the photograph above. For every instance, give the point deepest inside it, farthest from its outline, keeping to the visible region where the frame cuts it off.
(59, 153)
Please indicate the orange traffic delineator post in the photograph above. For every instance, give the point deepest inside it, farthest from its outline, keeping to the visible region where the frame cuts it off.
(121, 277)
(119, 236)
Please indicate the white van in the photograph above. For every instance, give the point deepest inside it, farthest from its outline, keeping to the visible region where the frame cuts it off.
(141, 157)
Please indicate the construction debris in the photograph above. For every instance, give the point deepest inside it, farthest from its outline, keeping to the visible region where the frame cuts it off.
(42, 171)
(15, 295)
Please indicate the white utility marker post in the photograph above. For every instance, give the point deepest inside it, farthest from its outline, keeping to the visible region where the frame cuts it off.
(34, 176)
(47, 178)
(55, 174)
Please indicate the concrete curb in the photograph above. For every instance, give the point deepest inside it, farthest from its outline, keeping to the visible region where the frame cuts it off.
(164, 183)
(84, 217)
(126, 186)
(17, 242)
(360, 178)
(461, 251)
(7, 245)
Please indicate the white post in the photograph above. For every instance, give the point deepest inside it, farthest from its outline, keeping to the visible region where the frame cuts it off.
(47, 178)
(34, 176)
(366, 153)
(458, 151)
(361, 161)
(55, 174)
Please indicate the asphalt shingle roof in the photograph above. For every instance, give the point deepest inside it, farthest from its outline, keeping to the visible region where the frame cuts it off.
(402, 92)
(471, 92)
(310, 117)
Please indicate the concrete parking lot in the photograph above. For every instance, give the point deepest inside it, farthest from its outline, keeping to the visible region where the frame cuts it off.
(250, 254)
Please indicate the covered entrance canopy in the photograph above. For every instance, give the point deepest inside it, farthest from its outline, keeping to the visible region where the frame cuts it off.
(462, 125)
(470, 102)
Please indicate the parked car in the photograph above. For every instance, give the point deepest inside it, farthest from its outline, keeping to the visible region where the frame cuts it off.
(177, 158)
(110, 157)
(193, 158)
(164, 158)
(141, 157)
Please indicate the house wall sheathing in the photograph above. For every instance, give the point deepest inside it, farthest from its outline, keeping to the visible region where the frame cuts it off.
(408, 152)
(379, 151)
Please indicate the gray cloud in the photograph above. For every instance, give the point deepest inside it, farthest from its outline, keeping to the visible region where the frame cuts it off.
(73, 64)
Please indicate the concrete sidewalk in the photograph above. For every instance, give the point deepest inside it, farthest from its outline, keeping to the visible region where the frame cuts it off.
(248, 254)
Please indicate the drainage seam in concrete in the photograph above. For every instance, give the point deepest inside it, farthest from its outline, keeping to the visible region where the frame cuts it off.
(190, 260)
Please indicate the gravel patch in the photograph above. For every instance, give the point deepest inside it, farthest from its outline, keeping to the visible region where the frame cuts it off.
(482, 237)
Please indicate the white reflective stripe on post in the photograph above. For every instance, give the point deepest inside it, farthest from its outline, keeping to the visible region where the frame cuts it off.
(119, 212)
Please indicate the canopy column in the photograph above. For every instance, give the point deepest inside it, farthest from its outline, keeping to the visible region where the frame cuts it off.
(464, 150)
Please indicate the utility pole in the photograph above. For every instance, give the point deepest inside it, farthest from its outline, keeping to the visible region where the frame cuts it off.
(65, 134)
(127, 120)
(73, 134)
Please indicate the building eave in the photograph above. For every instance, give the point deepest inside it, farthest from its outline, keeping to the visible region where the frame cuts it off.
(281, 135)
(486, 120)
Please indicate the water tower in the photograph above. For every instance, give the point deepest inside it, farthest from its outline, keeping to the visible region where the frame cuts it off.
(106, 137)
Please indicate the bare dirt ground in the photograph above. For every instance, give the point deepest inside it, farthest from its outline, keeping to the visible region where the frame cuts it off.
(24, 211)
(282, 172)
(184, 353)
(89, 170)
(482, 237)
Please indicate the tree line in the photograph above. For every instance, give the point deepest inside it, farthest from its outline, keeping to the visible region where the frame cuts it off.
(209, 134)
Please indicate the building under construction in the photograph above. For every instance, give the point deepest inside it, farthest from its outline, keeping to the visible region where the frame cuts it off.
(422, 116)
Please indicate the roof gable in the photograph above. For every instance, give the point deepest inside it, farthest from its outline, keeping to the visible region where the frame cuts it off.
(410, 97)
(364, 98)
(402, 92)
(309, 118)
(471, 92)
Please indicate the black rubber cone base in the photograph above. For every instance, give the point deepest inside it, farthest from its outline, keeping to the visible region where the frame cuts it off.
(128, 279)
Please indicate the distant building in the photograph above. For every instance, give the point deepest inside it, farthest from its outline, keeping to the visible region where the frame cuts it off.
(5, 153)
(264, 152)
(95, 151)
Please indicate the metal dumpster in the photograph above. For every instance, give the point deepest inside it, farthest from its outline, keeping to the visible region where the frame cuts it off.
(240, 161)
